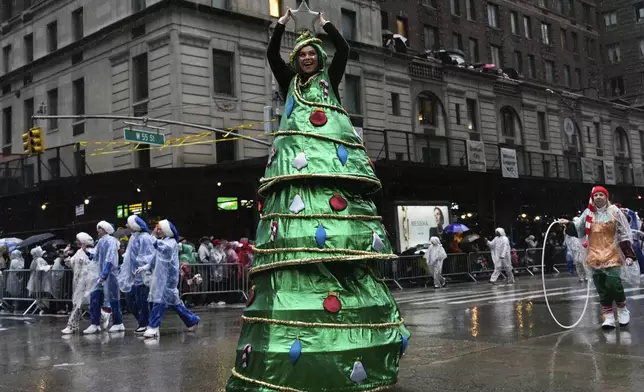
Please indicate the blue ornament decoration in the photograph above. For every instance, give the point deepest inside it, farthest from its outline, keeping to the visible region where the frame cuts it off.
(296, 351)
(405, 343)
(320, 236)
(342, 154)
(290, 104)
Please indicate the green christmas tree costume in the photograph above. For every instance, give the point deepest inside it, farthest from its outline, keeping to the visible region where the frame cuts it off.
(318, 317)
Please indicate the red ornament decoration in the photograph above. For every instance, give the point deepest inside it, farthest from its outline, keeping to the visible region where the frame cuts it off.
(337, 202)
(332, 303)
(318, 117)
(251, 296)
(271, 156)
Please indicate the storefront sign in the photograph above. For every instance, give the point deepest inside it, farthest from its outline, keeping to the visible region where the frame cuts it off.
(610, 177)
(588, 170)
(476, 156)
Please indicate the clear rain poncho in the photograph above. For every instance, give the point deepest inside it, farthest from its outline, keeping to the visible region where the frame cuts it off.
(435, 252)
(15, 283)
(38, 282)
(140, 252)
(85, 275)
(576, 249)
(500, 247)
(606, 214)
(165, 275)
(56, 276)
(107, 259)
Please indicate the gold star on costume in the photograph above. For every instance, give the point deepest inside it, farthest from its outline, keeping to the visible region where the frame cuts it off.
(304, 18)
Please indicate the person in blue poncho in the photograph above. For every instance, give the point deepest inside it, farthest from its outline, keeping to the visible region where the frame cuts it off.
(107, 287)
(140, 252)
(164, 290)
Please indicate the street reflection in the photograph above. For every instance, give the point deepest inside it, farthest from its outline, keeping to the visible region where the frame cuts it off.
(474, 323)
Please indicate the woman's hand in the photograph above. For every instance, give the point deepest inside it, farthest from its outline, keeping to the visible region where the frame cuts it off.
(322, 20)
(286, 18)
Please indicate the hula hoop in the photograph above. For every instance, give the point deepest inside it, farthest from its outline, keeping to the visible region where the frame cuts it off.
(545, 293)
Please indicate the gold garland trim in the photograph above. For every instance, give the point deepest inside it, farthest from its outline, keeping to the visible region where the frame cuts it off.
(352, 252)
(303, 324)
(315, 104)
(287, 389)
(318, 136)
(269, 182)
(322, 216)
(312, 260)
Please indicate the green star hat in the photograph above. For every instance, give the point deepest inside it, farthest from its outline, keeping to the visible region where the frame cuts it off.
(308, 38)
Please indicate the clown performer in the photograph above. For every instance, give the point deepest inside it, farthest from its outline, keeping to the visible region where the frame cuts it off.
(608, 239)
(107, 287)
(140, 252)
(576, 249)
(165, 280)
(85, 273)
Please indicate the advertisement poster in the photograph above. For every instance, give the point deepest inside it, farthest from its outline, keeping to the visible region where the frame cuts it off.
(417, 223)
(509, 164)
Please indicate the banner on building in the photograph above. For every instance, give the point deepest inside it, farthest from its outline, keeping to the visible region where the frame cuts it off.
(476, 156)
(80, 209)
(509, 164)
(588, 170)
(638, 175)
(610, 176)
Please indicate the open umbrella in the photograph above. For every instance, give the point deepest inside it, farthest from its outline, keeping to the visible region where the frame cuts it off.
(56, 243)
(457, 228)
(122, 233)
(10, 243)
(35, 240)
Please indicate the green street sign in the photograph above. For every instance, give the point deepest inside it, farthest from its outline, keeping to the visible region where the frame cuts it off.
(145, 137)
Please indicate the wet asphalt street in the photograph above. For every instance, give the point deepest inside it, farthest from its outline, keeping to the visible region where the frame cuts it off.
(468, 337)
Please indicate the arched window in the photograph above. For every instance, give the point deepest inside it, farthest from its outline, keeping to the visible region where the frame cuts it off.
(508, 122)
(622, 149)
(428, 107)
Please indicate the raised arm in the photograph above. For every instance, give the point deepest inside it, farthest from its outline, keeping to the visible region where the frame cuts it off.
(340, 58)
(282, 72)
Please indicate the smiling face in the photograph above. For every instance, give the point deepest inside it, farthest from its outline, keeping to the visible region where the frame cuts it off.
(307, 59)
(600, 199)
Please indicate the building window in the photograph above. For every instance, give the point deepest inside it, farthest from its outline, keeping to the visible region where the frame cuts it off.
(429, 3)
(138, 5)
(621, 145)
(222, 66)
(52, 36)
(140, 78)
(566, 75)
(455, 6)
(225, 150)
(613, 53)
(496, 55)
(7, 124)
(470, 9)
(52, 108)
(590, 47)
(616, 86)
(474, 50)
(457, 111)
(29, 113)
(493, 15)
(507, 122)
(549, 68)
(569, 7)
(541, 123)
(78, 98)
(29, 48)
(575, 42)
(431, 37)
(7, 8)
(527, 27)
(518, 61)
(275, 8)
(77, 24)
(588, 14)
(542, 3)
(639, 12)
(514, 23)
(598, 134)
(395, 104)
(578, 78)
(349, 24)
(401, 26)
(6, 58)
(457, 41)
(352, 95)
(426, 111)
(545, 33)
(564, 44)
(384, 20)
(472, 115)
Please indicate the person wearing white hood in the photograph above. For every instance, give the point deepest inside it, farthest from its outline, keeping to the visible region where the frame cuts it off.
(435, 256)
(164, 290)
(85, 273)
(14, 279)
(501, 256)
(140, 252)
(107, 287)
(38, 283)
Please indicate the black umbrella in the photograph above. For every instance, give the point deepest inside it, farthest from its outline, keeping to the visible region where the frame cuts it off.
(122, 232)
(35, 240)
(56, 243)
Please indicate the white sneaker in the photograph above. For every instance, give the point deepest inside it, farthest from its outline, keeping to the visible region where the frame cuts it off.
(140, 330)
(609, 322)
(117, 328)
(151, 332)
(68, 331)
(92, 330)
(623, 316)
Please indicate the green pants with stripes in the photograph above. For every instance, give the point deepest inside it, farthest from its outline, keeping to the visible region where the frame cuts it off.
(609, 285)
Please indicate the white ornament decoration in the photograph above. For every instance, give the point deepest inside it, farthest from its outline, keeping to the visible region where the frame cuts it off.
(300, 162)
(358, 374)
(297, 205)
(377, 243)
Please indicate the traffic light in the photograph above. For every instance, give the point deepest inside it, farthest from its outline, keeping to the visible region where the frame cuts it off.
(33, 141)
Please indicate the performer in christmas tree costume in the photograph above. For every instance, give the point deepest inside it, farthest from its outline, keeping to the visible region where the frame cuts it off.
(318, 318)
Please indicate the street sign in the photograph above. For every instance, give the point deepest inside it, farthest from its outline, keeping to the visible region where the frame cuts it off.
(80, 209)
(138, 136)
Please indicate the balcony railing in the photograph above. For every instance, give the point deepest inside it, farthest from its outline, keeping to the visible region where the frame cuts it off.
(438, 151)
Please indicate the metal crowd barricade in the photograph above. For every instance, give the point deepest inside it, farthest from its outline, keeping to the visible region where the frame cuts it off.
(200, 279)
(457, 264)
(46, 287)
(411, 268)
(388, 271)
(3, 304)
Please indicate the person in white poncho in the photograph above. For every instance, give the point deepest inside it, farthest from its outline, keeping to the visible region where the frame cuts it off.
(15, 279)
(38, 282)
(501, 256)
(85, 273)
(435, 256)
